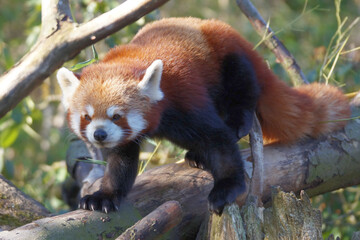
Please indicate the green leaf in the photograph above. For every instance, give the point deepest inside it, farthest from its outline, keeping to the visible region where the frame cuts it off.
(87, 62)
(9, 135)
(82, 64)
(95, 54)
(9, 61)
(94, 161)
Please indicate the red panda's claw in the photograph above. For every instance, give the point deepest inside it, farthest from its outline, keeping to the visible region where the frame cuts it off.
(98, 202)
(194, 160)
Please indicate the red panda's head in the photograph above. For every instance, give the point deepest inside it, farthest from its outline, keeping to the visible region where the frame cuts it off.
(107, 107)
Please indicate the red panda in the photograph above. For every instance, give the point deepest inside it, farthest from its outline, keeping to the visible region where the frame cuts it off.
(198, 84)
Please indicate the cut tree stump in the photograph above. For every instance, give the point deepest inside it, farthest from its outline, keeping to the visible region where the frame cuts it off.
(291, 218)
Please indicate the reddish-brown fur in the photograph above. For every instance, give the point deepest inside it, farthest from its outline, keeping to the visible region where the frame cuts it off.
(286, 114)
(210, 80)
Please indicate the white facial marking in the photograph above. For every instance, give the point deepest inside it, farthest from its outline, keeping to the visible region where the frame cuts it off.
(113, 131)
(90, 110)
(136, 122)
(113, 110)
(75, 122)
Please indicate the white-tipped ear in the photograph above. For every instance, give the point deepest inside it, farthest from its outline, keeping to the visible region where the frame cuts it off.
(68, 83)
(150, 84)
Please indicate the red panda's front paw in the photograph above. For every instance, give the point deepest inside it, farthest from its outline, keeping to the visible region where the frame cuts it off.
(99, 201)
(194, 160)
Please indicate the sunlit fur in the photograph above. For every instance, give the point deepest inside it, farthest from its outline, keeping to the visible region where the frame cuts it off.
(286, 114)
(108, 96)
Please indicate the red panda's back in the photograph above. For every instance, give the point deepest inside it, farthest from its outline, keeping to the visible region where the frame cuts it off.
(190, 64)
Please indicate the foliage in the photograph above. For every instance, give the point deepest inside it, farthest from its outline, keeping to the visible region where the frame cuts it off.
(33, 139)
(341, 212)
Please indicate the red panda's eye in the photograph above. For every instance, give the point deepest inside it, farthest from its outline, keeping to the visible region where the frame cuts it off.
(87, 117)
(116, 117)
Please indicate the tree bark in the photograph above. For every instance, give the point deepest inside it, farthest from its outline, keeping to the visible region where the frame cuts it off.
(287, 218)
(60, 40)
(253, 218)
(257, 152)
(155, 224)
(229, 225)
(355, 236)
(16, 208)
(291, 218)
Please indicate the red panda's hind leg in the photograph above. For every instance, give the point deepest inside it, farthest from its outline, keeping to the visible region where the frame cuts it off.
(241, 93)
(212, 145)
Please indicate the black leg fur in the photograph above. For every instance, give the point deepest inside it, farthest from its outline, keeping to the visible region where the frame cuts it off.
(241, 92)
(120, 174)
(212, 145)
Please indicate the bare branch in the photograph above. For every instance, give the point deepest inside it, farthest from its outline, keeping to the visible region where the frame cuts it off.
(155, 224)
(257, 153)
(16, 207)
(51, 51)
(273, 43)
(51, 12)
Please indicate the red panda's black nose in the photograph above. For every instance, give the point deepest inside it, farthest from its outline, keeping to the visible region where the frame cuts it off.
(100, 135)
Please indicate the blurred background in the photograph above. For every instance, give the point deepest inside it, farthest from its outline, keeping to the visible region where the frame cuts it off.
(322, 35)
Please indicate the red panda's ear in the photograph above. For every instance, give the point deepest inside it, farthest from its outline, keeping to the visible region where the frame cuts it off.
(68, 83)
(150, 84)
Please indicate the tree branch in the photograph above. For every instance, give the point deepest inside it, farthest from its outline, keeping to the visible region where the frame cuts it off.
(53, 48)
(51, 12)
(272, 42)
(257, 153)
(155, 224)
(16, 207)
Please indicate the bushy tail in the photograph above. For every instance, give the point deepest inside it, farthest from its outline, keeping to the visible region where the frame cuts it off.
(289, 114)
(286, 114)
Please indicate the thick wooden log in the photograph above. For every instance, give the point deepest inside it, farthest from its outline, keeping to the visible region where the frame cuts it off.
(16, 208)
(155, 224)
(153, 188)
(78, 224)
